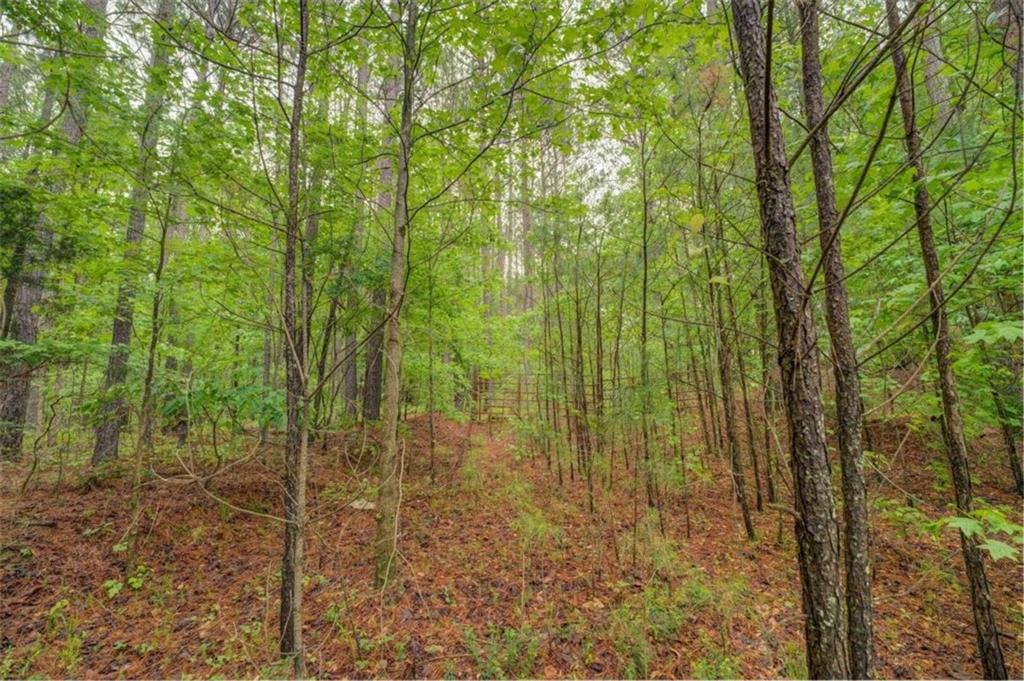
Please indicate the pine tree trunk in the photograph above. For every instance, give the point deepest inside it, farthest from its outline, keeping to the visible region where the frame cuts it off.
(817, 531)
(844, 361)
(989, 647)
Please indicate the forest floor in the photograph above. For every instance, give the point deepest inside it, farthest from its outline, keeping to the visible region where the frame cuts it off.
(502, 573)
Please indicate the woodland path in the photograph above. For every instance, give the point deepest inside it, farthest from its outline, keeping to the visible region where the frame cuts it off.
(494, 519)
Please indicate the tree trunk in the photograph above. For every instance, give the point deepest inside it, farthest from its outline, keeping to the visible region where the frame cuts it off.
(296, 399)
(114, 412)
(817, 531)
(741, 370)
(645, 392)
(145, 441)
(390, 465)
(989, 647)
(26, 280)
(373, 377)
(849, 416)
(728, 403)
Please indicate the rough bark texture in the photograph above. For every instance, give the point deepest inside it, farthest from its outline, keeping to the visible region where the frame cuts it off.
(372, 378)
(351, 376)
(817, 531)
(114, 413)
(17, 382)
(26, 283)
(390, 463)
(849, 418)
(375, 344)
(989, 647)
(296, 407)
(728, 406)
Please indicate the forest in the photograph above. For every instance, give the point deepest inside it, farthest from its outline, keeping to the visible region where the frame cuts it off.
(511, 339)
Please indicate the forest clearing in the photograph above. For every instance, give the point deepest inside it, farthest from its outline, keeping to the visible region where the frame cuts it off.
(511, 339)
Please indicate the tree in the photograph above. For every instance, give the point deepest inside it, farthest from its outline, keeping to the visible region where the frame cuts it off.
(817, 532)
(849, 417)
(114, 412)
(390, 462)
(26, 274)
(989, 647)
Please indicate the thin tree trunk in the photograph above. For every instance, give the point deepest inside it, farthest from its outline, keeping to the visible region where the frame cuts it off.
(390, 465)
(849, 417)
(373, 379)
(114, 411)
(296, 399)
(145, 441)
(767, 390)
(645, 391)
(351, 368)
(728, 404)
(742, 371)
(989, 647)
(817, 531)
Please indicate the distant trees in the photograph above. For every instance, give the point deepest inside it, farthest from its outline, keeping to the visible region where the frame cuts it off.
(33, 244)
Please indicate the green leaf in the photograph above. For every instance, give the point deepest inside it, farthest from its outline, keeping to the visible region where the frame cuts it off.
(999, 550)
(112, 587)
(969, 526)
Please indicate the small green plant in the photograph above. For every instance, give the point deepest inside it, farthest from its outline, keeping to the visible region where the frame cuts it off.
(653, 616)
(113, 587)
(60, 624)
(716, 663)
(472, 476)
(992, 528)
(794, 661)
(138, 579)
(56, 617)
(71, 653)
(657, 551)
(101, 528)
(629, 636)
(906, 519)
(695, 590)
(506, 653)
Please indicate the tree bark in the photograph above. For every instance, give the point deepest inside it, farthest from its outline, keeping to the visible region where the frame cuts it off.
(114, 411)
(390, 465)
(817, 531)
(296, 399)
(26, 282)
(849, 416)
(989, 647)
(373, 377)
